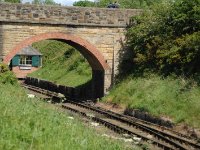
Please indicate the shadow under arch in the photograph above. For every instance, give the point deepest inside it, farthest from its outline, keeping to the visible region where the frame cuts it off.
(89, 51)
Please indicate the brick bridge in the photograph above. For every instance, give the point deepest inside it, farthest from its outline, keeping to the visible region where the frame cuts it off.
(97, 33)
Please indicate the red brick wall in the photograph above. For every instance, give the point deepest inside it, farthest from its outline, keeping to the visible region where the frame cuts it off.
(23, 73)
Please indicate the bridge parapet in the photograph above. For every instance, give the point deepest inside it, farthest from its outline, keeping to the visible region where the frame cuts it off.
(83, 16)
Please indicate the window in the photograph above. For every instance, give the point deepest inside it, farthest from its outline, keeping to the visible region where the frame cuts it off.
(25, 60)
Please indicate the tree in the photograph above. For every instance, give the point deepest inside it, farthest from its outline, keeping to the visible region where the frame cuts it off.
(49, 2)
(36, 2)
(166, 38)
(84, 3)
(123, 3)
(11, 1)
(45, 2)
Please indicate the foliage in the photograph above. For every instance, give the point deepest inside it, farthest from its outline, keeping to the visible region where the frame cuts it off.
(171, 96)
(62, 64)
(166, 38)
(84, 3)
(123, 3)
(3, 68)
(32, 124)
(6, 76)
(45, 2)
(11, 1)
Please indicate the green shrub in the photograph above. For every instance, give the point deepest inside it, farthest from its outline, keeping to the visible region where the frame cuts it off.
(6, 76)
(3, 68)
(84, 3)
(166, 38)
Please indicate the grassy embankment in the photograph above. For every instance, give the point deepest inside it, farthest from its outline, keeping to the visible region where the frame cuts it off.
(172, 96)
(62, 64)
(32, 124)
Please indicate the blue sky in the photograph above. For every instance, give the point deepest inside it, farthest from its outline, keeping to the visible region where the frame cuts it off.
(63, 2)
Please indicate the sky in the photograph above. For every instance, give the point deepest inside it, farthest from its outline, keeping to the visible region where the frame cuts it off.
(63, 2)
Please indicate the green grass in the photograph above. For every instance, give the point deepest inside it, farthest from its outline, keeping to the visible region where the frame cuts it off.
(62, 64)
(172, 96)
(32, 124)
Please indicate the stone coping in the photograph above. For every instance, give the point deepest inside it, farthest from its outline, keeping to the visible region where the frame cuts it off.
(66, 15)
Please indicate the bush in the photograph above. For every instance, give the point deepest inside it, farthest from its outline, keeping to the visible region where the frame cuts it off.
(3, 68)
(166, 38)
(6, 76)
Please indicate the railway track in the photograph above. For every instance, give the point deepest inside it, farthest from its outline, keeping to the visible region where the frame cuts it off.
(159, 136)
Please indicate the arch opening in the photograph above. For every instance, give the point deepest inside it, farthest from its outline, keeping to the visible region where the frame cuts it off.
(93, 56)
(90, 52)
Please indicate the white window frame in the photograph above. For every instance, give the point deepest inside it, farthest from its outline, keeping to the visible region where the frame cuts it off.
(25, 60)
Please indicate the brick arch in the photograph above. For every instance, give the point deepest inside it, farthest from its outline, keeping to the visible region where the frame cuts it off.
(90, 52)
